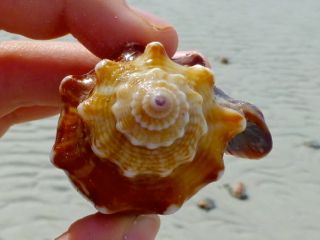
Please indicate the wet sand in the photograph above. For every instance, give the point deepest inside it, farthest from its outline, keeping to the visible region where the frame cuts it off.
(273, 48)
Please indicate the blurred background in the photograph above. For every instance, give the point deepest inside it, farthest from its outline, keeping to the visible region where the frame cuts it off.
(264, 52)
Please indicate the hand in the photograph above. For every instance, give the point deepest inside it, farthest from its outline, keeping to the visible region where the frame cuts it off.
(31, 71)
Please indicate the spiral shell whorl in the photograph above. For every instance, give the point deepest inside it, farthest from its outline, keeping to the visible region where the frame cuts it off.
(155, 106)
(147, 116)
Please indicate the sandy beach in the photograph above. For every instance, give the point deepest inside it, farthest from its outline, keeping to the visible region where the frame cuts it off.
(273, 52)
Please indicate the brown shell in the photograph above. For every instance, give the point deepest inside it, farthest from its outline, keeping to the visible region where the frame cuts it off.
(118, 174)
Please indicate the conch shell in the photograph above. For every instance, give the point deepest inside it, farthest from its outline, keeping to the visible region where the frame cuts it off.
(145, 133)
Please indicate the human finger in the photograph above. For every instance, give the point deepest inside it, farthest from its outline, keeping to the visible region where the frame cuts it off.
(31, 72)
(104, 27)
(113, 227)
(26, 114)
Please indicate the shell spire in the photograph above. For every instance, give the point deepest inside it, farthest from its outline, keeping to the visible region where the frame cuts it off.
(153, 107)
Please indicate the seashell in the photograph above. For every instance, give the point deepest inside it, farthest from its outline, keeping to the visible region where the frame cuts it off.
(206, 204)
(314, 144)
(143, 133)
(237, 190)
(224, 60)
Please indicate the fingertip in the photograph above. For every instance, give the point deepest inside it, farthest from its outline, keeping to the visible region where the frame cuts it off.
(162, 30)
(105, 27)
(145, 227)
(100, 227)
(116, 227)
(169, 38)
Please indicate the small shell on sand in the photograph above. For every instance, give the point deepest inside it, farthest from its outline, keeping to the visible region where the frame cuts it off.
(314, 144)
(238, 190)
(206, 204)
(224, 60)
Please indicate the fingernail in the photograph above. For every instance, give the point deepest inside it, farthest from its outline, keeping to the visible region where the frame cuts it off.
(145, 227)
(64, 236)
(152, 20)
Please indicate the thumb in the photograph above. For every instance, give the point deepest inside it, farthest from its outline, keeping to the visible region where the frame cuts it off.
(104, 27)
(113, 227)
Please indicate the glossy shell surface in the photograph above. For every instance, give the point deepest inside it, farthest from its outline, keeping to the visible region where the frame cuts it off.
(144, 134)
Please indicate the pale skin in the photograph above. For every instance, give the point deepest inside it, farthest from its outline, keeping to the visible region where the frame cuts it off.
(31, 71)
